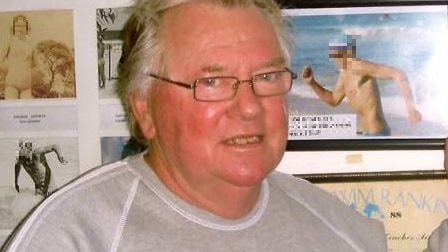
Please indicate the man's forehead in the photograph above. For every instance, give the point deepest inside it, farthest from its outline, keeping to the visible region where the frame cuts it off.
(199, 28)
(203, 9)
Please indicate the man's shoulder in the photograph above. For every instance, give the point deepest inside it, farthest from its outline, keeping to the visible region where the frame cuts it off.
(364, 67)
(93, 201)
(305, 193)
(326, 207)
(438, 241)
(298, 188)
(103, 181)
(308, 194)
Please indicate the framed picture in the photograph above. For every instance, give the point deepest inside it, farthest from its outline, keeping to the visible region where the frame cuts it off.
(37, 55)
(371, 78)
(399, 205)
(31, 169)
(109, 24)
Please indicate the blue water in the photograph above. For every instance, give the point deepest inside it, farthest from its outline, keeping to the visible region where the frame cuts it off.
(404, 40)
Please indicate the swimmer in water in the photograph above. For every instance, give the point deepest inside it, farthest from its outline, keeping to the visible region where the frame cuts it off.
(357, 81)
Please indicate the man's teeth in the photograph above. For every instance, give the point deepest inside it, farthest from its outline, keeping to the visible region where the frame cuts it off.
(244, 140)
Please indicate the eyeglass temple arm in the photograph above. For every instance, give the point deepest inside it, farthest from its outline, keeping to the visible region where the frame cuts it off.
(185, 85)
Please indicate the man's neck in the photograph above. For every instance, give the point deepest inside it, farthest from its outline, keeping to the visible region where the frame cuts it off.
(220, 198)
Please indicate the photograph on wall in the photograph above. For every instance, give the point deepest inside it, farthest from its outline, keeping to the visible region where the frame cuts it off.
(118, 147)
(30, 170)
(369, 73)
(37, 55)
(410, 210)
(109, 24)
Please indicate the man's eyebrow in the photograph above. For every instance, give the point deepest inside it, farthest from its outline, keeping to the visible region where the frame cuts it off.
(212, 69)
(279, 61)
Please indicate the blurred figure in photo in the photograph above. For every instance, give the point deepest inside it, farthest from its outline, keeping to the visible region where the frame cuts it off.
(19, 60)
(357, 81)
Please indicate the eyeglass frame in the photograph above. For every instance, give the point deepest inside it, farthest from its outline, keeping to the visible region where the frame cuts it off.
(234, 86)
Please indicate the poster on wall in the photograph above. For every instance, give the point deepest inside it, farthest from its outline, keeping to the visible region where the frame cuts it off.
(410, 210)
(113, 124)
(39, 123)
(31, 169)
(369, 72)
(37, 55)
(109, 24)
(117, 148)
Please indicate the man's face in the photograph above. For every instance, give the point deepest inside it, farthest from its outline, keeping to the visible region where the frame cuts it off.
(335, 53)
(340, 56)
(238, 141)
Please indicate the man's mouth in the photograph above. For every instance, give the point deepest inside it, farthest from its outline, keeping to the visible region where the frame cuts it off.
(244, 140)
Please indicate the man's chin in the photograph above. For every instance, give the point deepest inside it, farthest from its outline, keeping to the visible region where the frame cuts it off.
(248, 177)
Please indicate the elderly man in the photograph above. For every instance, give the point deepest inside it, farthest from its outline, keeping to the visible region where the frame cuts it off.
(205, 84)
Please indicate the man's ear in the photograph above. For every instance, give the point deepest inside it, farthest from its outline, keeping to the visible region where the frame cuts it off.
(140, 105)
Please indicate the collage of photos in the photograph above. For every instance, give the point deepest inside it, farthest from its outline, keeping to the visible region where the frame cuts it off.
(37, 96)
(384, 66)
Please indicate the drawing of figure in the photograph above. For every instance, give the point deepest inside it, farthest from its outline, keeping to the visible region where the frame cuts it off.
(56, 75)
(18, 61)
(357, 82)
(35, 163)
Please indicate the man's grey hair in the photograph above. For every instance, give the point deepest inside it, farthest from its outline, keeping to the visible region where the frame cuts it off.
(142, 51)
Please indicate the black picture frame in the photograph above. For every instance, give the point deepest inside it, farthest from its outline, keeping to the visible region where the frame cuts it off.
(290, 4)
(399, 143)
(370, 144)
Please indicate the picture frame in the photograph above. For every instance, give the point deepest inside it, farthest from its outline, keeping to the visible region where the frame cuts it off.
(376, 26)
(381, 33)
(46, 38)
(398, 205)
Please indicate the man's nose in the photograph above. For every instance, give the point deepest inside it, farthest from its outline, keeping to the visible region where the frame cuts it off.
(246, 102)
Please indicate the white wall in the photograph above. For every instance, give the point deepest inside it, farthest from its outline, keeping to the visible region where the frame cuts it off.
(89, 109)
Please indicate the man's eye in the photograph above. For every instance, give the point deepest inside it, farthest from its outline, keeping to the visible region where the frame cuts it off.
(267, 77)
(209, 82)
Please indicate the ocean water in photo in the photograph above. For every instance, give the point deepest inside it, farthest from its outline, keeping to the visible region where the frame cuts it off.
(414, 42)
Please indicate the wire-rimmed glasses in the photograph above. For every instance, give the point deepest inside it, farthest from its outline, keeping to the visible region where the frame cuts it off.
(221, 88)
